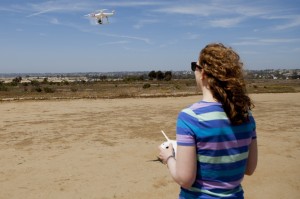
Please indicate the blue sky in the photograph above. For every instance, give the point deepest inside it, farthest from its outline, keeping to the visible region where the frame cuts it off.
(54, 36)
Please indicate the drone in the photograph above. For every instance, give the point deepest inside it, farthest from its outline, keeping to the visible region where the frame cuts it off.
(100, 14)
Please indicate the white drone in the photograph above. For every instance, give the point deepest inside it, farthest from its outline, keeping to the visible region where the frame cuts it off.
(100, 14)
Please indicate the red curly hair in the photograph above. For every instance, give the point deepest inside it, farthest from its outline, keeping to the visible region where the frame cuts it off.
(223, 69)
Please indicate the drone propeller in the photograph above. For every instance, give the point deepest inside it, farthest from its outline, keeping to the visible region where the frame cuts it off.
(102, 10)
(90, 15)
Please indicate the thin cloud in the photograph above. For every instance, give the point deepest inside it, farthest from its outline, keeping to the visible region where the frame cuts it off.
(141, 23)
(146, 40)
(265, 41)
(82, 29)
(71, 6)
(226, 23)
(292, 23)
(134, 3)
(214, 8)
(56, 6)
(225, 14)
(5, 9)
(54, 21)
(296, 50)
(43, 12)
(114, 43)
(251, 11)
(195, 9)
(164, 45)
(287, 21)
(192, 36)
(280, 40)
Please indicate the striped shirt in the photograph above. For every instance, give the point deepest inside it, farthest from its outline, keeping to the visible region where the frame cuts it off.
(222, 150)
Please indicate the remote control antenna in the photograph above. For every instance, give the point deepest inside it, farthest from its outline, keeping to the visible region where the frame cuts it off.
(165, 135)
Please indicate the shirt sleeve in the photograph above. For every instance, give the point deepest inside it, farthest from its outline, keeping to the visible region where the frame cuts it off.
(254, 134)
(252, 120)
(185, 136)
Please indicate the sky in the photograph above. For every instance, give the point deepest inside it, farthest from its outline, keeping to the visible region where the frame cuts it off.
(39, 36)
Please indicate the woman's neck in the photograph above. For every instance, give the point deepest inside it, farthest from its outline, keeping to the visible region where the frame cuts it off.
(207, 95)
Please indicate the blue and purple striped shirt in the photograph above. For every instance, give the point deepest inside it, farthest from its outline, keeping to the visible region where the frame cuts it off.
(222, 150)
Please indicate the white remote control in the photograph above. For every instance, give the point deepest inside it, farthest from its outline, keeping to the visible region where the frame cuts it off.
(166, 144)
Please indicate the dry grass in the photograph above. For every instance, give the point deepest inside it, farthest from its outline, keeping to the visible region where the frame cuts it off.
(125, 89)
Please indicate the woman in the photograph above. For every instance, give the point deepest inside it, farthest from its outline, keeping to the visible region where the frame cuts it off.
(216, 137)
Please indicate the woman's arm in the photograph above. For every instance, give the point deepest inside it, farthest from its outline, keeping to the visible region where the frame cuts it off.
(252, 158)
(183, 169)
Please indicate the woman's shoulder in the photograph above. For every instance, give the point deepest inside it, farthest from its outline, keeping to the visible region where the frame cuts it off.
(199, 108)
(203, 107)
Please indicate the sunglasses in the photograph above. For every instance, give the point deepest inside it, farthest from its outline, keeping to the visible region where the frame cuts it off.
(194, 65)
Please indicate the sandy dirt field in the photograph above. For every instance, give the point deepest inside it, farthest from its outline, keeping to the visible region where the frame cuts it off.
(100, 149)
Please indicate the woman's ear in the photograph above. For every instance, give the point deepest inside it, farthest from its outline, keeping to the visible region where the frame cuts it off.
(202, 74)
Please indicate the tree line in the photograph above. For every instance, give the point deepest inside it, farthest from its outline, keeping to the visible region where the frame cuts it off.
(159, 75)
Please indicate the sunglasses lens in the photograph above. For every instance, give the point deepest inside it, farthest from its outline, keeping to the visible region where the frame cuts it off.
(193, 66)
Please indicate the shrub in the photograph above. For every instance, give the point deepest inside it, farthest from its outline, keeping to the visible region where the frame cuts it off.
(17, 80)
(190, 84)
(73, 89)
(49, 90)
(146, 85)
(134, 78)
(168, 75)
(103, 77)
(65, 82)
(35, 83)
(177, 86)
(14, 83)
(38, 89)
(3, 87)
(45, 80)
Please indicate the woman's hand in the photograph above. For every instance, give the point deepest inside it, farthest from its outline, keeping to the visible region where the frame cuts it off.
(183, 169)
(164, 154)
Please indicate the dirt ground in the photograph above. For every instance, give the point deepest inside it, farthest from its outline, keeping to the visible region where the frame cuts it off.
(100, 149)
